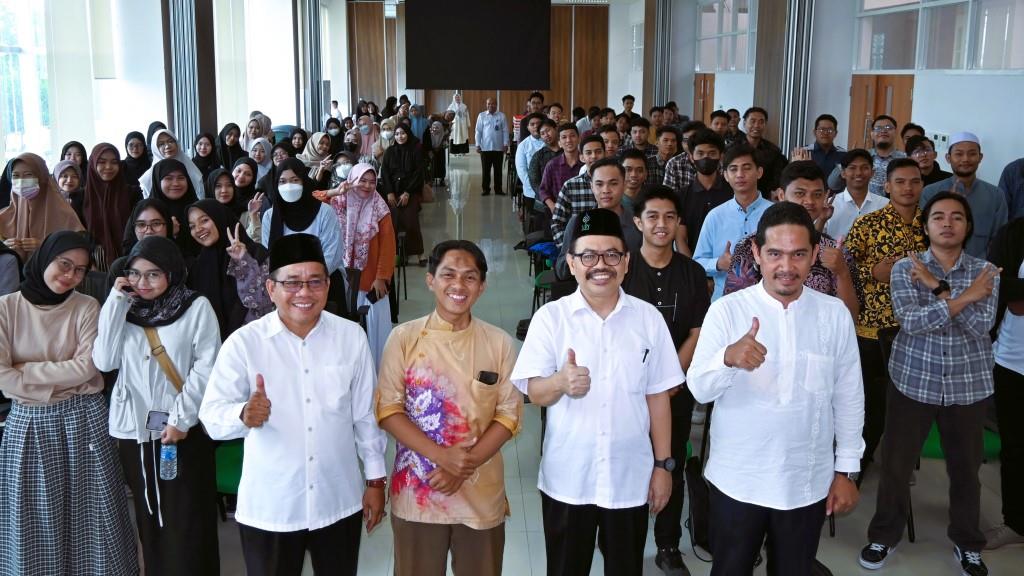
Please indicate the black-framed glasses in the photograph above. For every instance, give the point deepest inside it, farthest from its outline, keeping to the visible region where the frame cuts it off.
(589, 259)
(883, 128)
(153, 225)
(151, 276)
(294, 286)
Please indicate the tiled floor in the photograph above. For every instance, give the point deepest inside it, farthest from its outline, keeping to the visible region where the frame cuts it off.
(491, 223)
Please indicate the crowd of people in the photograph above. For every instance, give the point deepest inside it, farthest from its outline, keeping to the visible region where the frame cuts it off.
(827, 307)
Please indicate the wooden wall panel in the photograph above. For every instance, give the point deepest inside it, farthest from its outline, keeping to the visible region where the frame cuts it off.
(561, 57)
(590, 80)
(366, 51)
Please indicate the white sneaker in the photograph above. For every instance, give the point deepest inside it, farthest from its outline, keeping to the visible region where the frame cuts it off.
(1002, 535)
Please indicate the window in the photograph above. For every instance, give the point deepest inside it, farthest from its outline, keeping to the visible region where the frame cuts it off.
(25, 99)
(998, 35)
(887, 41)
(726, 29)
(945, 37)
(637, 50)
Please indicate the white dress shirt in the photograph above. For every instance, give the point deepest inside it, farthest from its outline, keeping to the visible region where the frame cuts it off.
(491, 132)
(773, 428)
(845, 211)
(597, 449)
(1008, 348)
(524, 153)
(300, 470)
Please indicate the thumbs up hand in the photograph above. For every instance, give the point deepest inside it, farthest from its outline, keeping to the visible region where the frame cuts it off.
(575, 379)
(833, 259)
(725, 259)
(746, 353)
(257, 409)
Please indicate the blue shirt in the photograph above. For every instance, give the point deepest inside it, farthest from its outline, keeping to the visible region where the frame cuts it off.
(1012, 184)
(524, 153)
(827, 160)
(988, 208)
(491, 132)
(727, 222)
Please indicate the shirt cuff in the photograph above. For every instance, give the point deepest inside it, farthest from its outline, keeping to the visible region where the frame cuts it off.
(389, 410)
(374, 468)
(510, 423)
(847, 465)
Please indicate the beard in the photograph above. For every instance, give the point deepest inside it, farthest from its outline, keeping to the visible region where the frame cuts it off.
(883, 145)
(964, 173)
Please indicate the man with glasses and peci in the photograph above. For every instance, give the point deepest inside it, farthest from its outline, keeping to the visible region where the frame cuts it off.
(922, 150)
(883, 137)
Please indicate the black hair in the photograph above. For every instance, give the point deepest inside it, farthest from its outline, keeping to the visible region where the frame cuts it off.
(720, 114)
(897, 163)
(567, 126)
(656, 192)
(635, 154)
(442, 248)
(669, 130)
(628, 97)
(946, 195)
(606, 111)
(828, 117)
(607, 162)
(910, 126)
(654, 109)
(556, 105)
(732, 110)
(536, 95)
(739, 150)
(592, 139)
(854, 154)
(671, 104)
(754, 109)
(578, 112)
(691, 126)
(547, 122)
(916, 142)
(639, 121)
(895, 124)
(533, 115)
(607, 128)
(593, 112)
(806, 169)
(782, 213)
(707, 136)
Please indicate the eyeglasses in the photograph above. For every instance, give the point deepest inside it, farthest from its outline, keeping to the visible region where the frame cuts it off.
(922, 152)
(884, 128)
(67, 267)
(293, 286)
(151, 276)
(589, 259)
(153, 225)
(825, 130)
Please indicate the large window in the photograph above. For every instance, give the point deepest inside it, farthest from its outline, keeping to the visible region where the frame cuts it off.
(726, 36)
(940, 35)
(25, 97)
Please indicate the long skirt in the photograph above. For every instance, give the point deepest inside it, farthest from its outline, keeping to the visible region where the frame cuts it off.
(63, 508)
(407, 219)
(378, 325)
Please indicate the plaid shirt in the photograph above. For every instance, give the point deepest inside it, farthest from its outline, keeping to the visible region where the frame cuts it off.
(679, 173)
(938, 359)
(574, 197)
(656, 169)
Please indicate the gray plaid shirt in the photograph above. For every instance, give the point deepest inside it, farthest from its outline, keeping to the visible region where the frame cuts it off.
(574, 197)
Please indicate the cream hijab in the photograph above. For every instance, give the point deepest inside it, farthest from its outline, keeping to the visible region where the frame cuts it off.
(194, 173)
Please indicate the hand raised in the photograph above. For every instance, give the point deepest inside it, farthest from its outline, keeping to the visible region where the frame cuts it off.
(746, 353)
(983, 284)
(726, 258)
(235, 249)
(257, 409)
(575, 379)
(256, 203)
(833, 259)
(920, 273)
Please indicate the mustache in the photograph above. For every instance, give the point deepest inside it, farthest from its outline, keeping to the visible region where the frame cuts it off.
(594, 271)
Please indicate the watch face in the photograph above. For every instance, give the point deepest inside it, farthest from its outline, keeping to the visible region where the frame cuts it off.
(669, 464)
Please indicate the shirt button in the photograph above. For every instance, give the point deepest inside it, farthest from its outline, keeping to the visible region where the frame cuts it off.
(310, 458)
(659, 289)
(310, 429)
(306, 370)
(303, 344)
(145, 357)
(308, 400)
(310, 486)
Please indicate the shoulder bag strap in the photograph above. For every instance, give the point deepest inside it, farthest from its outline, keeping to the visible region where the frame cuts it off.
(160, 353)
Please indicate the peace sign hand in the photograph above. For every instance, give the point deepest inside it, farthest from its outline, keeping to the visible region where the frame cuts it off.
(235, 247)
(256, 203)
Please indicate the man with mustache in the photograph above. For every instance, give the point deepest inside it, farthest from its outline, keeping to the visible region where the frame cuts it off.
(602, 363)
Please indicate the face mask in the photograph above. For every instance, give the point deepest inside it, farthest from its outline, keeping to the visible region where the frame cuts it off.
(342, 170)
(364, 129)
(27, 188)
(387, 134)
(706, 166)
(290, 192)
(351, 146)
(333, 131)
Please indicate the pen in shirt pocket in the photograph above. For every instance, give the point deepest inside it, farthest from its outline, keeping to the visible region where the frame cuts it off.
(646, 352)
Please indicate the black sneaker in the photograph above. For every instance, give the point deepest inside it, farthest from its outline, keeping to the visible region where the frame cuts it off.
(486, 193)
(670, 560)
(970, 562)
(499, 193)
(873, 555)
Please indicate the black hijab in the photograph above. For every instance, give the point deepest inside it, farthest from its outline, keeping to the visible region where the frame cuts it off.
(208, 163)
(34, 287)
(305, 138)
(247, 193)
(176, 208)
(209, 272)
(175, 301)
(130, 239)
(153, 128)
(83, 165)
(135, 167)
(299, 215)
(229, 155)
(337, 142)
(6, 184)
(237, 206)
(405, 158)
(266, 183)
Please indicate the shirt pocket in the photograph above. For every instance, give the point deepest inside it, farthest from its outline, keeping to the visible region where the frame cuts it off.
(819, 373)
(333, 387)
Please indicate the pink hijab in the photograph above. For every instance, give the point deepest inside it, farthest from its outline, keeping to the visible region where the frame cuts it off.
(359, 218)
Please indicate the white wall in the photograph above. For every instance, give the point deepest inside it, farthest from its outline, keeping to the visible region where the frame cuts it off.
(229, 42)
(622, 79)
(831, 66)
(682, 55)
(270, 60)
(337, 44)
(734, 90)
(70, 78)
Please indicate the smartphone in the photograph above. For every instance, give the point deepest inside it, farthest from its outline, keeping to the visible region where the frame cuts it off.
(371, 296)
(489, 378)
(156, 420)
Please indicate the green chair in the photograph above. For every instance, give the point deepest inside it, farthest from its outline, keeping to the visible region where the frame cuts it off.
(228, 458)
(933, 444)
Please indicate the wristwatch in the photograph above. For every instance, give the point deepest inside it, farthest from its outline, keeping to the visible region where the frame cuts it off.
(669, 464)
(853, 476)
(942, 287)
(377, 483)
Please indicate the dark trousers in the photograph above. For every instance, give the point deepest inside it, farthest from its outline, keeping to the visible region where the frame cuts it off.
(186, 544)
(333, 549)
(668, 529)
(876, 381)
(569, 532)
(1009, 400)
(738, 529)
(491, 161)
(907, 423)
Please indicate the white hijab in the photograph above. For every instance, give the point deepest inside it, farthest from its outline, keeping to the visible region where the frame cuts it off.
(194, 174)
(268, 161)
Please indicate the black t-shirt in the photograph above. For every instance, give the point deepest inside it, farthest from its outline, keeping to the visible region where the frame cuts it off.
(697, 202)
(679, 291)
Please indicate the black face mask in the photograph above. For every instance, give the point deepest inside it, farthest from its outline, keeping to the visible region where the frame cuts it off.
(351, 146)
(706, 166)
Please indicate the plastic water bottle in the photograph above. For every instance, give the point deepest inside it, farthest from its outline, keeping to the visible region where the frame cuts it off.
(168, 461)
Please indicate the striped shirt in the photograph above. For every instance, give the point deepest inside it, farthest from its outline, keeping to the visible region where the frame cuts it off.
(574, 197)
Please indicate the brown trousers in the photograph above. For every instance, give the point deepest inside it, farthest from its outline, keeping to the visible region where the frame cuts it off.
(422, 549)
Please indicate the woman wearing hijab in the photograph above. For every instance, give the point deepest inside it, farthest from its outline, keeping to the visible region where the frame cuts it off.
(37, 209)
(150, 217)
(334, 129)
(230, 269)
(368, 246)
(387, 138)
(418, 122)
(401, 183)
(75, 152)
(108, 202)
(136, 159)
(296, 210)
(205, 158)
(229, 150)
(62, 506)
(154, 404)
(369, 134)
(353, 145)
(165, 145)
(436, 142)
(374, 111)
(150, 132)
(69, 180)
(298, 139)
(226, 192)
(260, 151)
(460, 125)
(390, 107)
(317, 156)
(174, 189)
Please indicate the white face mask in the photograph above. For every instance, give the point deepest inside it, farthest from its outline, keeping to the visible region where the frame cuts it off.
(333, 131)
(342, 170)
(290, 192)
(387, 134)
(27, 188)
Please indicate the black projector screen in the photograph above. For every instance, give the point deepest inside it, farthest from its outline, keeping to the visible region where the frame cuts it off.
(478, 44)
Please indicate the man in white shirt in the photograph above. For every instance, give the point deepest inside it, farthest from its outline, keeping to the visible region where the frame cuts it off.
(298, 385)
(856, 200)
(491, 144)
(524, 153)
(602, 362)
(780, 363)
